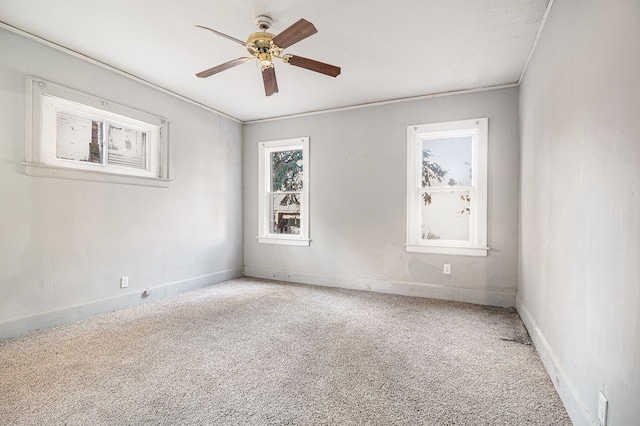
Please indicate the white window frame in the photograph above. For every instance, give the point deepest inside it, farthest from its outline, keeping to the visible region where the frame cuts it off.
(477, 243)
(265, 149)
(46, 100)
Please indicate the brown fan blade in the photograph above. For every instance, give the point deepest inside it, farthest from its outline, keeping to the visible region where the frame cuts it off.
(316, 66)
(270, 82)
(221, 67)
(296, 32)
(245, 44)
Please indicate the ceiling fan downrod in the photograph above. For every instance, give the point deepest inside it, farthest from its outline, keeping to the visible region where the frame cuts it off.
(264, 22)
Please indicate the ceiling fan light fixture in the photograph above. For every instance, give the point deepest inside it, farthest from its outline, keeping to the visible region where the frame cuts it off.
(265, 59)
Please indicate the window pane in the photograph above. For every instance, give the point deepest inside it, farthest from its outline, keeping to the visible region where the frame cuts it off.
(127, 147)
(78, 139)
(285, 209)
(446, 215)
(446, 161)
(286, 170)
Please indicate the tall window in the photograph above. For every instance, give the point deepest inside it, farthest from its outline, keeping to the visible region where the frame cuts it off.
(284, 192)
(447, 188)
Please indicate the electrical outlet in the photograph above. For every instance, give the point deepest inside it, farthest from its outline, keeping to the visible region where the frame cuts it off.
(124, 282)
(447, 269)
(602, 409)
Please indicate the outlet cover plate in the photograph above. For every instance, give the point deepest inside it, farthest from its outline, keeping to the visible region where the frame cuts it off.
(124, 282)
(602, 409)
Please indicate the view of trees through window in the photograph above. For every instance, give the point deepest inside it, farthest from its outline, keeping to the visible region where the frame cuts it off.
(286, 186)
(446, 188)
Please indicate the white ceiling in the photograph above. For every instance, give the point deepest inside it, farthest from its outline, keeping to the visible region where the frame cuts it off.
(387, 50)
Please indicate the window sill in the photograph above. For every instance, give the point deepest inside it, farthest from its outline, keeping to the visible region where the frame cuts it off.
(45, 170)
(455, 250)
(284, 241)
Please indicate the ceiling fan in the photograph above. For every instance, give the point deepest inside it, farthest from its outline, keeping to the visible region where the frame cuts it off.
(265, 46)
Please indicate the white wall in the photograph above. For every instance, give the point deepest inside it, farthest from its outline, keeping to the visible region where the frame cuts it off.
(579, 290)
(358, 202)
(65, 244)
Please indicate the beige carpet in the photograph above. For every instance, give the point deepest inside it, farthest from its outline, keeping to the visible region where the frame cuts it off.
(256, 352)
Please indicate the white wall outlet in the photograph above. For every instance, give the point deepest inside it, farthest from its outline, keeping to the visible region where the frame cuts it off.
(602, 409)
(447, 269)
(124, 282)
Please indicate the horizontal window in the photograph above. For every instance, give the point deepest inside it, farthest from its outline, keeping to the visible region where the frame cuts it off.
(78, 136)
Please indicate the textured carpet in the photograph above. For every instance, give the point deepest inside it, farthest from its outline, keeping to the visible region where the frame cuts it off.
(258, 352)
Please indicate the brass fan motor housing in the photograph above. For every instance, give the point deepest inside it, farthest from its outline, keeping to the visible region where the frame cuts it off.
(260, 38)
(262, 47)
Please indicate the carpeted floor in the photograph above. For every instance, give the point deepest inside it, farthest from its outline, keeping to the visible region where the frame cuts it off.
(257, 352)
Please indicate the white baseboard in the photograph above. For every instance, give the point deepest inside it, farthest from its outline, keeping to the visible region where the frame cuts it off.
(24, 325)
(404, 288)
(576, 408)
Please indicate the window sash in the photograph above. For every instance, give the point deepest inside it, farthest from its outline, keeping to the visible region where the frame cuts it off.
(53, 107)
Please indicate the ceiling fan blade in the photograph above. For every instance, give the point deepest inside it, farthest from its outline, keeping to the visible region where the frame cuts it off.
(221, 67)
(296, 32)
(269, 80)
(245, 44)
(310, 64)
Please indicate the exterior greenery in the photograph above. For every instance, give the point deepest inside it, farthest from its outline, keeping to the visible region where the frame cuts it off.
(286, 175)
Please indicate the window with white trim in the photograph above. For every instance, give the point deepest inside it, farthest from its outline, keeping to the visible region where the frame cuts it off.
(283, 206)
(447, 187)
(74, 135)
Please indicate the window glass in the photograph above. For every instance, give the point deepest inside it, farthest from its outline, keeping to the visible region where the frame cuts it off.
(446, 216)
(78, 138)
(446, 181)
(446, 161)
(127, 147)
(286, 170)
